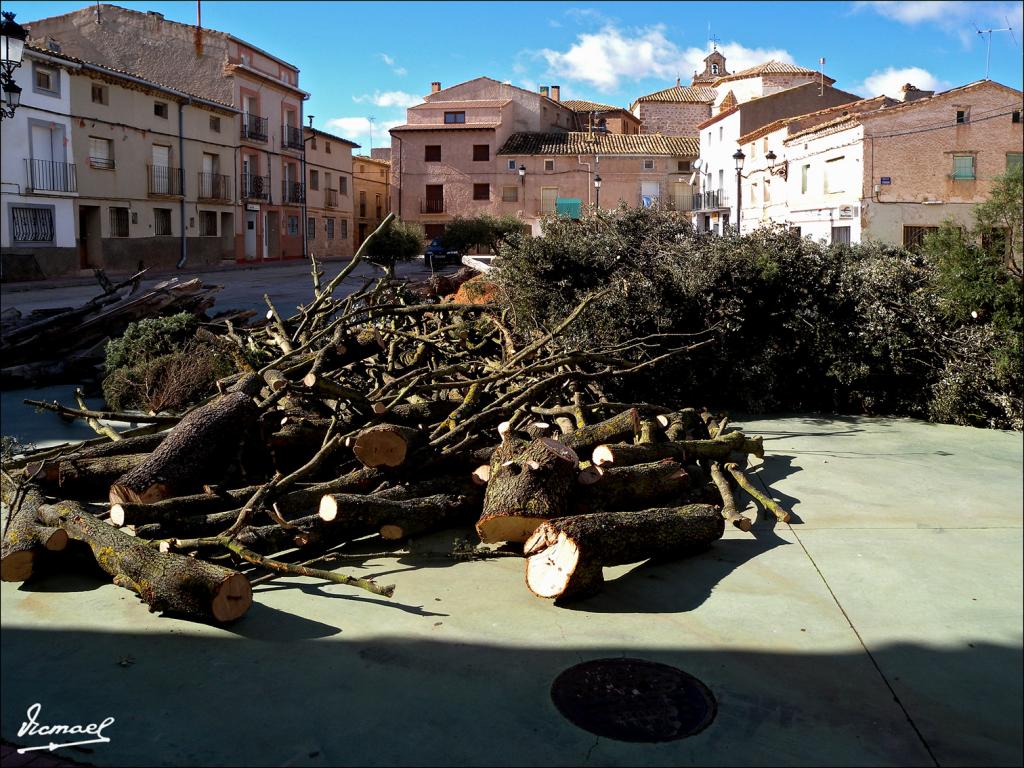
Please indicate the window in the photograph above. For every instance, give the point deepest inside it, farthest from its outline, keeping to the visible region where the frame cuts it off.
(549, 165)
(118, 222)
(481, 191)
(709, 137)
(45, 79)
(648, 165)
(208, 223)
(101, 153)
(767, 190)
(293, 225)
(330, 228)
(160, 109)
(683, 166)
(510, 194)
(1015, 116)
(840, 235)
(32, 224)
(721, 133)
(99, 94)
(1014, 161)
(913, 237)
(512, 165)
(833, 175)
(963, 116)
(714, 69)
(327, 147)
(432, 153)
(314, 179)
(343, 185)
(753, 194)
(312, 143)
(343, 231)
(805, 171)
(378, 204)
(455, 117)
(311, 228)
(963, 167)
(161, 221)
(214, 123)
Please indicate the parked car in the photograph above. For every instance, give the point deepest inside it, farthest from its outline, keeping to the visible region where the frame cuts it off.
(436, 255)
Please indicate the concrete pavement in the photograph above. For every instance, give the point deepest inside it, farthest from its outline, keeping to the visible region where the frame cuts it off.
(883, 626)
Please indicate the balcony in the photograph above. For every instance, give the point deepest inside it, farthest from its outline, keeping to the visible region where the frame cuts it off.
(291, 136)
(430, 205)
(255, 187)
(681, 203)
(214, 186)
(254, 128)
(293, 192)
(164, 180)
(330, 198)
(711, 200)
(103, 163)
(51, 176)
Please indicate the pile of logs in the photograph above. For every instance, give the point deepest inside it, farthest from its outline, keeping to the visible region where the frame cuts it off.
(66, 342)
(383, 415)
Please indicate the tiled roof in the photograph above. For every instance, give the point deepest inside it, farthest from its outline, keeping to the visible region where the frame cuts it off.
(770, 68)
(693, 94)
(495, 82)
(368, 159)
(728, 102)
(582, 143)
(860, 106)
(462, 104)
(840, 123)
(579, 105)
(446, 127)
(331, 136)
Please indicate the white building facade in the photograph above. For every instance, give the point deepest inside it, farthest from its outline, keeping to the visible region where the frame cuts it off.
(38, 174)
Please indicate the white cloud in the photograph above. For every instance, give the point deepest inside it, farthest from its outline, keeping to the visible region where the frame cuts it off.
(358, 130)
(890, 81)
(955, 17)
(389, 99)
(390, 61)
(603, 58)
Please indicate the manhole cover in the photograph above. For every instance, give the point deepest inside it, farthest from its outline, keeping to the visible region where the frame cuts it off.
(633, 700)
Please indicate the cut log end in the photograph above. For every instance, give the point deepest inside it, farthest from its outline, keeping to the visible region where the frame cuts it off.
(17, 566)
(514, 528)
(602, 456)
(232, 599)
(392, 532)
(590, 475)
(328, 508)
(54, 539)
(563, 452)
(382, 446)
(482, 474)
(117, 513)
(550, 571)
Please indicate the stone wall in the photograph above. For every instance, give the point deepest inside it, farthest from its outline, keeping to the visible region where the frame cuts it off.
(20, 264)
(672, 118)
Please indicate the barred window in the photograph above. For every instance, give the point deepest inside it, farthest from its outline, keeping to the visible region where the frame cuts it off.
(344, 229)
(913, 237)
(963, 167)
(510, 194)
(293, 225)
(161, 221)
(330, 229)
(343, 185)
(207, 223)
(311, 228)
(118, 222)
(32, 225)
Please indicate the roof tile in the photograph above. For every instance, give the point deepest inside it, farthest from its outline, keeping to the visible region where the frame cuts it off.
(582, 143)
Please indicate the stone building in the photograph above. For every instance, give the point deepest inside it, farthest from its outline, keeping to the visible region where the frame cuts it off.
(329, 194)
(593, 116)
(371, 180)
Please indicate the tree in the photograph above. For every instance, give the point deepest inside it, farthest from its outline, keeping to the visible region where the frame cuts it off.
(1000, 219)
(485, 230)
(398, 241)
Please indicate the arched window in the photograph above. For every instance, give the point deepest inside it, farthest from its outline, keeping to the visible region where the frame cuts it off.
(602, 124)
(714, 69)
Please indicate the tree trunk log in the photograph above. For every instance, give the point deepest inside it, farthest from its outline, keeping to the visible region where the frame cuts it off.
(622, 426)
(198, 449)
(164, 581)
(385, 445)
(729, 510)
(24, 537)
(48, 470)
(681, 450)
(628, 487)
(566, 555)
(89, 478)
(529, 483)
(392, 519)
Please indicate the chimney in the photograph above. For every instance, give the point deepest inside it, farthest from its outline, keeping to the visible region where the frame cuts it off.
(543, 92)
(435, 86)
(679, 82)
(556, 92)
(913, 93)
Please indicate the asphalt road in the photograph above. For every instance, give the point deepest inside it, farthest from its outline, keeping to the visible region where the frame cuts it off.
(288, 285)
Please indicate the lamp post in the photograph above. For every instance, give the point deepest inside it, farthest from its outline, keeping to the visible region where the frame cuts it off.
(12, 48)
(739, 157)
(522, 174)
(597, 191)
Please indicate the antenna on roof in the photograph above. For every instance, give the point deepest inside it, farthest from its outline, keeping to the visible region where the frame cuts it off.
(371, 118)
(821, 72)
(988, 54)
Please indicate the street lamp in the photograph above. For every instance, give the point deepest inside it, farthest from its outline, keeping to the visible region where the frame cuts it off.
(739, 157)
(597, 191)
(12, 48)
(522, 174)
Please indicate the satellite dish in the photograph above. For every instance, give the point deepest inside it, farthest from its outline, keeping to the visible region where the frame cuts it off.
(698, 164)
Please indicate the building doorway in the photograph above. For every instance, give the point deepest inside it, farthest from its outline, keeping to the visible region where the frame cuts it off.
(89, 242)
(250, 235)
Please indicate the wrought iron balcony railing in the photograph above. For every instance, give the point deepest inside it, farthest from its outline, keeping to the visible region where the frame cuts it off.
(164, 180)
(254, 127)
(52, 176)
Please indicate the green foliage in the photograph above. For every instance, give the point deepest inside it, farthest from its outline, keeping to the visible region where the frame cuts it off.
(398, 241)
(149, 338)
(158, 365)
(1000, 219)
(799, 325)
(485, 231)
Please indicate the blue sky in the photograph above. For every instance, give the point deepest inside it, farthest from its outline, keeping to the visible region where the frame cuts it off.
(371, 59)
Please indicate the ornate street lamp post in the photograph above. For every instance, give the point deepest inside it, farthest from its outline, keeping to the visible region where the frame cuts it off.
(597, 191)
(12, 48)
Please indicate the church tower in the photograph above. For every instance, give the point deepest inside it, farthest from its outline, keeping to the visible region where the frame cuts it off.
(714, 68)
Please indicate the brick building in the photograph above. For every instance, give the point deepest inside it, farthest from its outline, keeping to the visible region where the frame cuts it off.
(329, 194)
